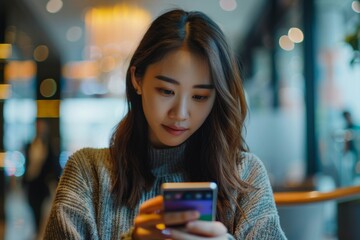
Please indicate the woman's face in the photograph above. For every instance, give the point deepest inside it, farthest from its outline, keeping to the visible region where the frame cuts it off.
(177, 96)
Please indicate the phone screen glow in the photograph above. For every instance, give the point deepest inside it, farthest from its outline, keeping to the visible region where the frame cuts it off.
(200, 200)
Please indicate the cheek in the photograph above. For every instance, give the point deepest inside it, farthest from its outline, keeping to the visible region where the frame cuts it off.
(203, 113)
(209, 107)
(153, 108)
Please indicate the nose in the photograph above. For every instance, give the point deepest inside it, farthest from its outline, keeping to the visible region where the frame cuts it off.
(180, 110)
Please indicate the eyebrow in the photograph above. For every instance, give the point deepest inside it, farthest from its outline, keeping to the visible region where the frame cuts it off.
(173, 81)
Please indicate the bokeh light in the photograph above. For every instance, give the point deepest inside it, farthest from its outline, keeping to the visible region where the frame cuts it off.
(356, 6)
(285, 43)
(74, 34)
(48, 87)
(54, 6)
(228, 5)
(296, 35)
(41, 53)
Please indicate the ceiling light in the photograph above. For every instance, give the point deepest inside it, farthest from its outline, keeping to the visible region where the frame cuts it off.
(118, 29)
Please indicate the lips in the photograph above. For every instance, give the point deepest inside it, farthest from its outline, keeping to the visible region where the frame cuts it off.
(173, 130)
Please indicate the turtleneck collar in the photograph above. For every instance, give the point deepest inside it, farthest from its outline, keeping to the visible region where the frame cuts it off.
(166, 161)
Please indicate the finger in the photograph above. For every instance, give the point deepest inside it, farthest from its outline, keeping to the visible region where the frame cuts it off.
(144, 233)
(152, 205)
(148, 220)
(175, 218)
(205, 228)
(176, 234)
(181, 235)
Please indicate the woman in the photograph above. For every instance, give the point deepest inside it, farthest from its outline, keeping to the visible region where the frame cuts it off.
(186, 109)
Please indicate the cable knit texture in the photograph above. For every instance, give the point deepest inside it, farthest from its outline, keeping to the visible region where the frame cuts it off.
(84, 207)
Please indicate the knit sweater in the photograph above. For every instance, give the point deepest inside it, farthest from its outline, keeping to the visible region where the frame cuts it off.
(84, 207)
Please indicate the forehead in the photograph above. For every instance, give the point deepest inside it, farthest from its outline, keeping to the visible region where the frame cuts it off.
(182, 64)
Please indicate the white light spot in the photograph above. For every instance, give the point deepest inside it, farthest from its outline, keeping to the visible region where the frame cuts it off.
(74, 34)
(54, 6)
(296, 35)
(285, 43)
(228, 5)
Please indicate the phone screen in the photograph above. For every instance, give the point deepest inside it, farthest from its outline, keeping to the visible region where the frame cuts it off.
(201, 199)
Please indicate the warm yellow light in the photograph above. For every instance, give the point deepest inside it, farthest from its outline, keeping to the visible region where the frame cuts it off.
(48, 108)
(5, 91)
(19, 70)
(296, 35)
(5, 50)
(116, 30)
(2, 159)
(81, 70)
(160, 226)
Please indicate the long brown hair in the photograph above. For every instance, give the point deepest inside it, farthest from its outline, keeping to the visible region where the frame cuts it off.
(213, 151)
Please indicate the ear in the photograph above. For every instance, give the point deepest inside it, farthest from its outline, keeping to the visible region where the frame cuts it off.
(136, 82)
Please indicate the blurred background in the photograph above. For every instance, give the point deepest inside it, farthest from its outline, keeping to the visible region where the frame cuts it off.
(62, 83)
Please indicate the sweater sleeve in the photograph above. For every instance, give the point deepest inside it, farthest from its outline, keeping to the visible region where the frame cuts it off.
(261, 217)
(72, 215)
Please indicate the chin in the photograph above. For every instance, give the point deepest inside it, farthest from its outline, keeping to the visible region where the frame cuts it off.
(169, 144)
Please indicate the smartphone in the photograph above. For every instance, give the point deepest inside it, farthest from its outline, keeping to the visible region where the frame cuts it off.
(200, 196)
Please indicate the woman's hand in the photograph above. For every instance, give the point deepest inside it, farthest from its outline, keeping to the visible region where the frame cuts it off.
(198, 230)
(151, 222)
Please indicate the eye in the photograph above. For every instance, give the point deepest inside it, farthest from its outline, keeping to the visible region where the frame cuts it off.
(200, 98)
(165, 92)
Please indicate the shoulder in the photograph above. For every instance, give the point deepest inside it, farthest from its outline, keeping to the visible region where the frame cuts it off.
(88, 161)
(249, 158)
(82, 172)
(259, 201)
(250, 167)
(90, 156)
(91, 152)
